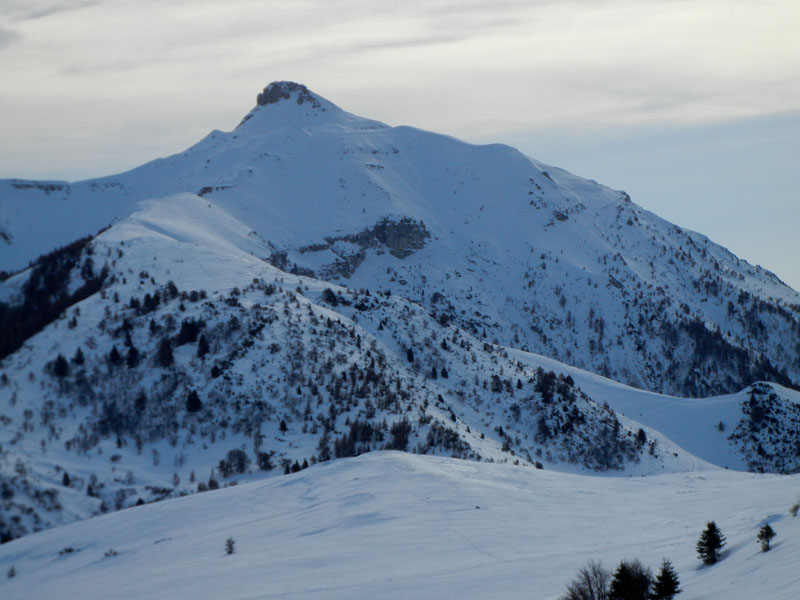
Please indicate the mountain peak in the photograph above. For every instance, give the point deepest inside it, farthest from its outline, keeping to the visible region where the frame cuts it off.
(282, 100)
(286, 102)
(278, 91)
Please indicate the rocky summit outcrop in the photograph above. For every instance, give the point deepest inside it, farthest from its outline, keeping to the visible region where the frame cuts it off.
(284, 90)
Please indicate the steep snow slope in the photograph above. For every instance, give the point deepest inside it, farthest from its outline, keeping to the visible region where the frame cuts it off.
(96, 411)
(398, 526)
(526, 255)
(198, 363)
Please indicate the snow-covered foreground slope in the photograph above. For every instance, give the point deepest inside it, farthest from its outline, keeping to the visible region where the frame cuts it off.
(391, 525)
(523, 254)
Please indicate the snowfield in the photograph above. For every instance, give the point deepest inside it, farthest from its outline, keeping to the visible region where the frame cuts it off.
(394, 525)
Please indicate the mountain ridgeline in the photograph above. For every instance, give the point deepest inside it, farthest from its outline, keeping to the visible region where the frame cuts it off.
(525, 255)
(314, 285)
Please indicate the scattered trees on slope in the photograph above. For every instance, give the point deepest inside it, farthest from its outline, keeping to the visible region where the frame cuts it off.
(46, 294)
(765, 535)
(710, 543)
(631, 581)
(667, 584)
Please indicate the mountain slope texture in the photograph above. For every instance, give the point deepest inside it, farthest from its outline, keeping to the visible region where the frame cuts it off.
(314, 285)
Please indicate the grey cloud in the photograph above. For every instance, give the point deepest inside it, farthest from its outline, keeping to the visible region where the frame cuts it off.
(114, 65)
(400, 43)
(25, 10)
(7, 37)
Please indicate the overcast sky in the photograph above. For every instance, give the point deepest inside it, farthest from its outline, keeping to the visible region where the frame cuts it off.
(693, 107)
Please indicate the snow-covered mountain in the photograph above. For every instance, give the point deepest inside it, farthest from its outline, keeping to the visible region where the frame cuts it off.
(314, 285)
(515, 251)
(186, 361)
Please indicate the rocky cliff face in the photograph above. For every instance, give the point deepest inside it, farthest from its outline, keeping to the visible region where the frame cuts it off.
(284, 90)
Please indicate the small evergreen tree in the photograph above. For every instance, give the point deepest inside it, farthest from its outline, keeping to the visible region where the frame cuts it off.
(78, 359)
(132, 358)
(264, 460)
(165, 357)
(765, 535)
(667, 583)
(60, 367)
(329, 297)
(114, 357)
(631, 581)
(193, 403)
(140, 403)
(400, 431)
(710, 543)
(202, 346)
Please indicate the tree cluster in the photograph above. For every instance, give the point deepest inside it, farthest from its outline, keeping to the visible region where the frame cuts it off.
(631, 581)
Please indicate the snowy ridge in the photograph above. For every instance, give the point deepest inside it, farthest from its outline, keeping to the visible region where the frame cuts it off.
(535, 257)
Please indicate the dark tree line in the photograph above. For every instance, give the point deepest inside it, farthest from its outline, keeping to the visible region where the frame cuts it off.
(45, 295)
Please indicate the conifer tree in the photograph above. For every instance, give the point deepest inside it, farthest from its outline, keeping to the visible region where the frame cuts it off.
(765, 535)
(114, 357)
(165, 357)
(667, 583)
(631, 581)
(60, 366)
(140, 403)
(132, 358)
(78, 359)
(193, 403)
(202, 346)
(710, 543)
